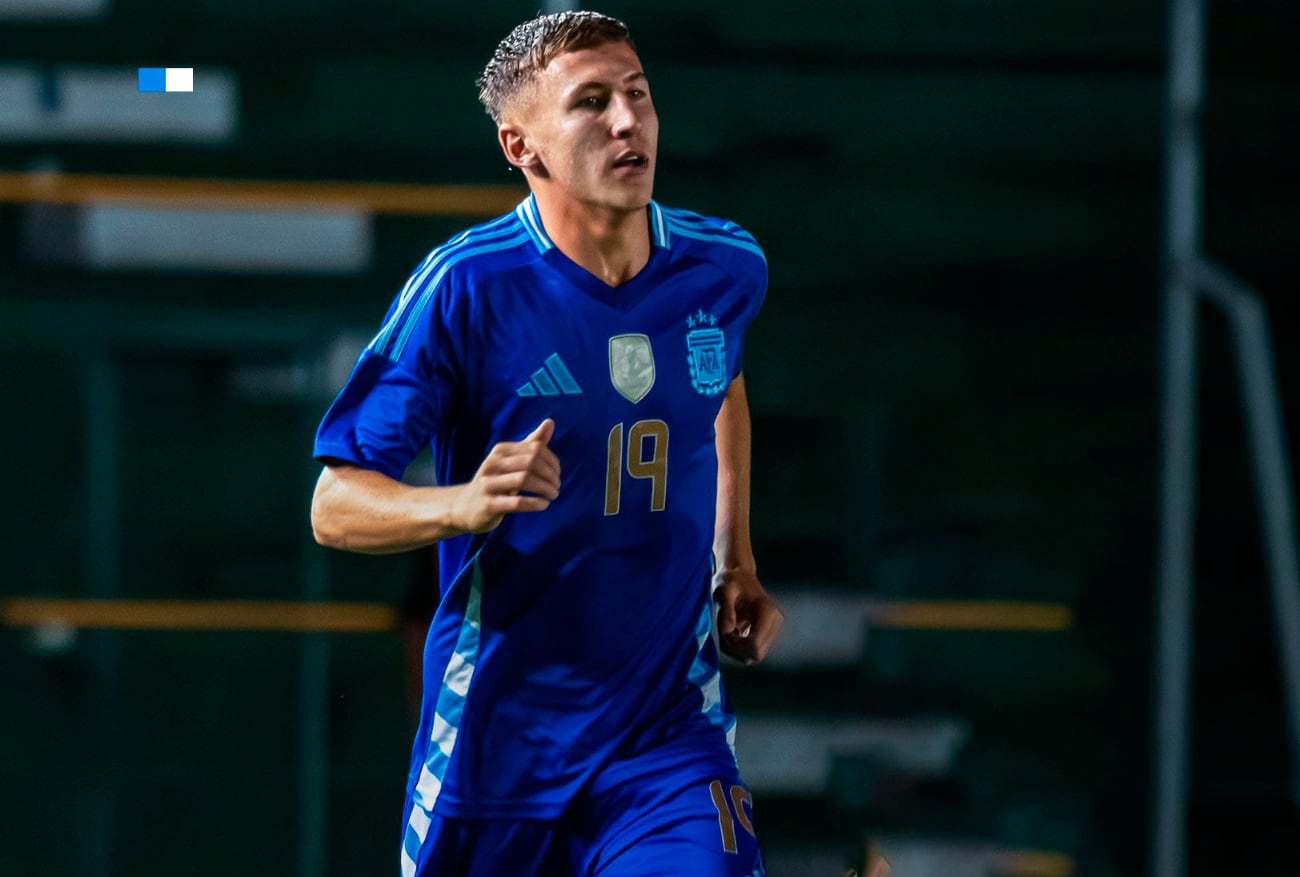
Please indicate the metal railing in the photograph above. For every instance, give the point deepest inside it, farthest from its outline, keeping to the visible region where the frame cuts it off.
(1189, 278)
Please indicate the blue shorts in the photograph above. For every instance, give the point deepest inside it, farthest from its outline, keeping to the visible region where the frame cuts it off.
(662, 814)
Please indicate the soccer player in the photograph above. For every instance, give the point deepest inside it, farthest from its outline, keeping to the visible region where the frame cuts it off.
(576, 367)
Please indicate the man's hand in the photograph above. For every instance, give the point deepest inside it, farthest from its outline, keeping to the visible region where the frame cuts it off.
(748, 619)
(876, 864)
(515, 477)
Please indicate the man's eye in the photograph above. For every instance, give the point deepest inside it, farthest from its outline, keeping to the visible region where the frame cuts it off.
(636, 92)
(592, 101)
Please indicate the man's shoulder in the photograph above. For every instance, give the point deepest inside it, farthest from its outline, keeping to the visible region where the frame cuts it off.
(450, 275)
(490, 247)
(497, 242)
(720, 237)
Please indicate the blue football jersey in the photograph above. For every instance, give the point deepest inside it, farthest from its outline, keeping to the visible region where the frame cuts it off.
(563, 635)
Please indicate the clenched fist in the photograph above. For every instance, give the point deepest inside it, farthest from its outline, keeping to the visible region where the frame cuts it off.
(514, 477)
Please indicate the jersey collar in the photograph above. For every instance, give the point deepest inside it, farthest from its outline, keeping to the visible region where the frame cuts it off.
(531, 220)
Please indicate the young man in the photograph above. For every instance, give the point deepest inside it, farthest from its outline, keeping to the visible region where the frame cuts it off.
(575, 365)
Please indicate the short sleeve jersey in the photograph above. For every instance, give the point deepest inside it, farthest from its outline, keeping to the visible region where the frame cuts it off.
(565, 634)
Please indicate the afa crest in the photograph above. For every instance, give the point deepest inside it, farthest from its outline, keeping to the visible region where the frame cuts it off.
(706, 352)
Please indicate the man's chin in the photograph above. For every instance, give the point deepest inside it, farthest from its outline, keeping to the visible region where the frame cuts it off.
(639, 198)
(620, 199)
(629, 203)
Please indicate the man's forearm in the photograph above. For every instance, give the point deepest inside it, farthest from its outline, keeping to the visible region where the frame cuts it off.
(361, 510)
(731, 545)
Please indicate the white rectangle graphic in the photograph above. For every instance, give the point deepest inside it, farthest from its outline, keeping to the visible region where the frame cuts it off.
(180, 78)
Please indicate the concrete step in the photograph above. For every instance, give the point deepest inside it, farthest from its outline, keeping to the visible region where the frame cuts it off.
(796, 756)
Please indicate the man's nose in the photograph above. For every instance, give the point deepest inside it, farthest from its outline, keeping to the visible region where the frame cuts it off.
(625, 120)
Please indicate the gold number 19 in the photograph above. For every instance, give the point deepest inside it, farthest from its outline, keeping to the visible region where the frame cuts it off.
(655, 467)
(726, 824)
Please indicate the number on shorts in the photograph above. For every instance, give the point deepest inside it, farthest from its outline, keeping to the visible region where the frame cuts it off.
(740, 798)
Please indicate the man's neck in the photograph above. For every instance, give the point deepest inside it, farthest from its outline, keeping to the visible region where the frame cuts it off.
(612, 245)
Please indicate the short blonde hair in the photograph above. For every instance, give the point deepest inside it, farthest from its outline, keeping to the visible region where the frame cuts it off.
(533, 44)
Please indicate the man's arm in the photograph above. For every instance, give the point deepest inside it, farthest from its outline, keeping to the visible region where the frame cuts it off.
(358, 509)
(748, 619)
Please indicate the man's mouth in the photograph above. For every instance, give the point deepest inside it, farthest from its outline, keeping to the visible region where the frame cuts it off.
(631, 159)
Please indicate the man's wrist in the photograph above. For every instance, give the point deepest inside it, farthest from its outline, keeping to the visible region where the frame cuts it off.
(448, 517)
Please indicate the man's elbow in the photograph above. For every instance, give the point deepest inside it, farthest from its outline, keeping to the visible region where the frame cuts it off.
(326, 524)
(324, 528)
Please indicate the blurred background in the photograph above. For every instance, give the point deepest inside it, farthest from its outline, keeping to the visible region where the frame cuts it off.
(956, 391)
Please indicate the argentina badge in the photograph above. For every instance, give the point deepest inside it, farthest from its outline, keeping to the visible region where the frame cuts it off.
(706, 352)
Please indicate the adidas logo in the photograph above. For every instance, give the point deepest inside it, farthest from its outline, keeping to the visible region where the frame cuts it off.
(552, 379)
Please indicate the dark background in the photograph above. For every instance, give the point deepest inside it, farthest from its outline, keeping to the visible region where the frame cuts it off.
(954, 381)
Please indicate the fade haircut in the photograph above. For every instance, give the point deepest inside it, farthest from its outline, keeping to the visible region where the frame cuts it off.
(532, 45)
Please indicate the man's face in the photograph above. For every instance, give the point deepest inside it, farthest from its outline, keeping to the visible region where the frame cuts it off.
(592, 126)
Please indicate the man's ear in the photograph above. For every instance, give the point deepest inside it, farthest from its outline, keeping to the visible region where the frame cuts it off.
(518, 151)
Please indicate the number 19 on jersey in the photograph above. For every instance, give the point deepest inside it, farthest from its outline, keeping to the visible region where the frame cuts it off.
(640, 464)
